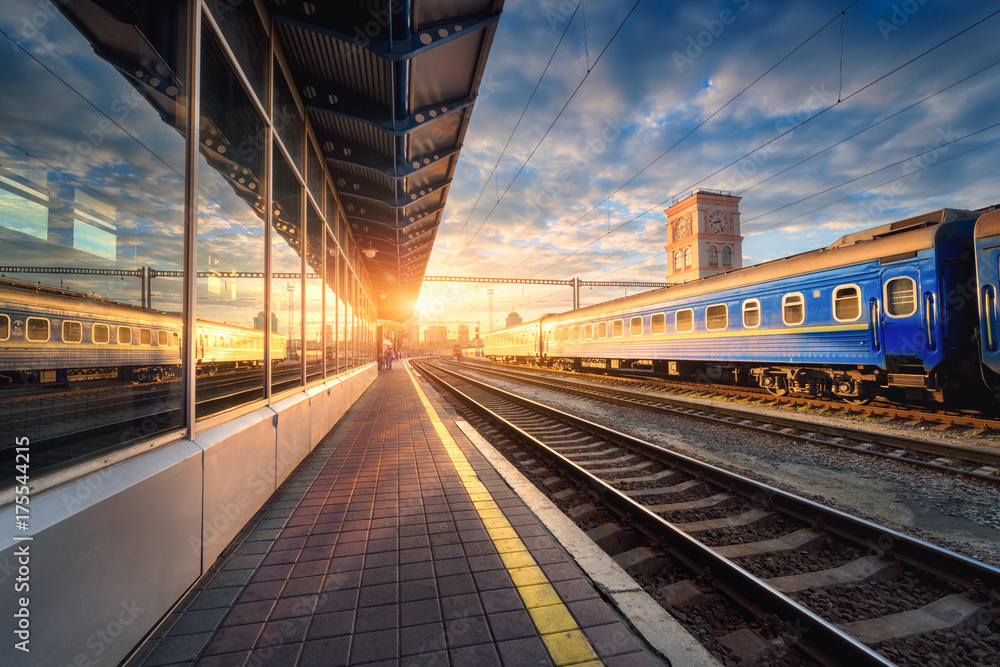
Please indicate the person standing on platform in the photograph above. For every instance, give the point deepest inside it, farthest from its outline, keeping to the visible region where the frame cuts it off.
(388, 358)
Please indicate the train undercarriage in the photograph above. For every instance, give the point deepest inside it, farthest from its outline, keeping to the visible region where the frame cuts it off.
(852, 384)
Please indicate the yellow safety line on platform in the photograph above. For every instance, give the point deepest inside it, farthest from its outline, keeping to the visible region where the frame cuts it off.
(562, 636)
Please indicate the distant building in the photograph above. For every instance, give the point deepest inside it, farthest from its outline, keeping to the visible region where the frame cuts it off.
(436, 334)
(704, 235)
(513, 318)
(258, 322)
(463, 335)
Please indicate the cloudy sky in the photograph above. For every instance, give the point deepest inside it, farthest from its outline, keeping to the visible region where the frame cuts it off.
(825, 117)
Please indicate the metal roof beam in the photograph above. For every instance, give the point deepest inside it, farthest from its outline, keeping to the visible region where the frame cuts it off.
(362, 214)
(326, 97)
(372, 192)
(341, 150)
(371, 32)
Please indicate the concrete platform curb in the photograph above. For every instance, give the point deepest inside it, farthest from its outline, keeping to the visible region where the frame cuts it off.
(657, 627)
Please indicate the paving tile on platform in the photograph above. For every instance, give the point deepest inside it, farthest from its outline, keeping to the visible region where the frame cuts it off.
(422, 639)
(333, 624)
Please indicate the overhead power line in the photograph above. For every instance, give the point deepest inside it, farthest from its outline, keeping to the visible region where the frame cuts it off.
(549, 129)
(758, 148)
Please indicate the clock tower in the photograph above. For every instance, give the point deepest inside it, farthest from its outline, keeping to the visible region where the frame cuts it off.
(704, 235)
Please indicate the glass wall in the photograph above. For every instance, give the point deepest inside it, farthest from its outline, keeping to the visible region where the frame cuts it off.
(92, 159)
(230, 337)
(286, 272)
(93, 152)
(314, 295)
(333, 351)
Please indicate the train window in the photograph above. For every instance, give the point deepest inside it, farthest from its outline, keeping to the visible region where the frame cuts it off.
(101, 333)
(717, 317)
(124, 335)
(145, 337)
(602, 330)
(618, 328)
(658, 323)
(37, 330)
(177, 340)
(751, 313)
(163, 338)
(684, 320)
(847, 303)
(635, 326)
(793, 309)
(576, 332)
(901, 297)
(72, 332)
(4, 327)
(588, 331)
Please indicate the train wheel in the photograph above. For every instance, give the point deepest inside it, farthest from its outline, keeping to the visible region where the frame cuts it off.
(859, 393)
(775, 385)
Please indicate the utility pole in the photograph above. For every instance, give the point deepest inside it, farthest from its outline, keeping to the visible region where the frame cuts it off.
(490, 293)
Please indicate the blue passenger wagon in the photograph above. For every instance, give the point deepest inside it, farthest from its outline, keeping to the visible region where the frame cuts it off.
(872, 311)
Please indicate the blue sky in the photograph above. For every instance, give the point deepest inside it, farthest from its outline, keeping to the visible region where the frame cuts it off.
(661, 112)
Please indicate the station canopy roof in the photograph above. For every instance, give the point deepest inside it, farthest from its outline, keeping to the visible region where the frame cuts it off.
(389, 87)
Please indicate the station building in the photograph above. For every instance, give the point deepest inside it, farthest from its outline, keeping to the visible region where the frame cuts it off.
(205, 208)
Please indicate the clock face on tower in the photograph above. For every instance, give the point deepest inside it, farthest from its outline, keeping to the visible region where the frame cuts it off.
(682, 227)
(718, 222)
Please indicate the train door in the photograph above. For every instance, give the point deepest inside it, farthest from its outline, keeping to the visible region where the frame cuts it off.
(988, 279)
(903, 326)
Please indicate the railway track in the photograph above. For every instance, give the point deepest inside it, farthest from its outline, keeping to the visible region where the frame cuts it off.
(800, 576)
(969, 462)
(962, 421)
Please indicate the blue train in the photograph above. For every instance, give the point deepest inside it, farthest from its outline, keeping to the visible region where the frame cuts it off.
(909, 306)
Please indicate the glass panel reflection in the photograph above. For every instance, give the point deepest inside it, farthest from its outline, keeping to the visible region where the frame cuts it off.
(287, 119)
(91, 208)
(229, 343)
(314, 296)
(240, 25)
(286, 271)
(330, 317)
(342, 314)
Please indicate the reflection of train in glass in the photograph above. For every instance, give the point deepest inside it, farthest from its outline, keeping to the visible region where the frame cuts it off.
(55, 335)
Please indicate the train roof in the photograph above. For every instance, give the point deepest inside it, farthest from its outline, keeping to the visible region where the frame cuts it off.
(84, 296)
(897, 239)
(988, 225)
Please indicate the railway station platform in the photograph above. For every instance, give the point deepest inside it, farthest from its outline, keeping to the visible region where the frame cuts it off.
(396, 542)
